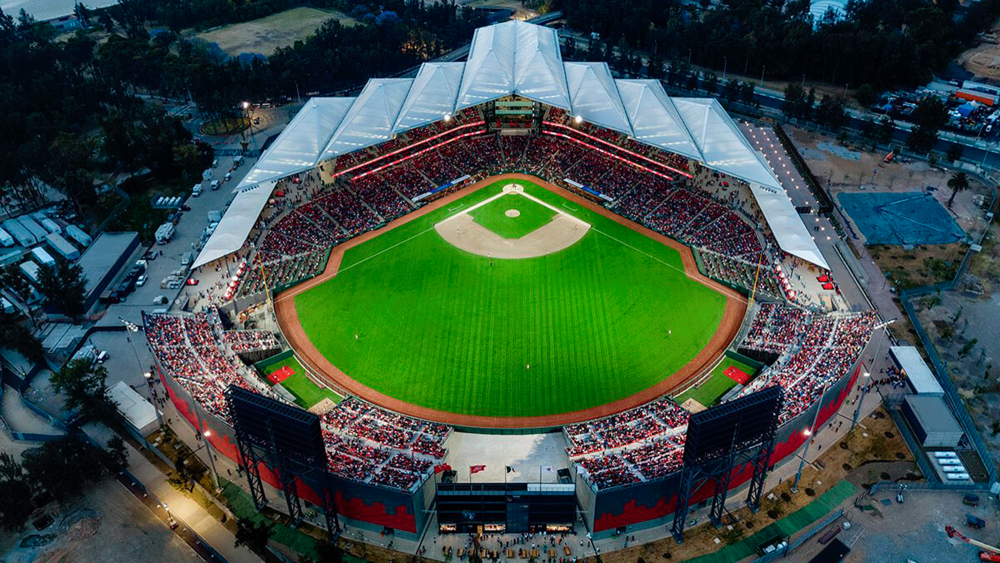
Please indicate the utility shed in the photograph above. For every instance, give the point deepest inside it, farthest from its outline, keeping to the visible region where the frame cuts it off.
(62, 246)
(932, 421)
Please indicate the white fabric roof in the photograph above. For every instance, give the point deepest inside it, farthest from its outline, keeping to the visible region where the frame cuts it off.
(538, 68)
(489, 72)
(919, 375)
(791, 233)
(302, 141)
(371, 117)
(723, 146)
(431, 97)
(655, 120)
(594, 96)
(232, 230)
(515, 58)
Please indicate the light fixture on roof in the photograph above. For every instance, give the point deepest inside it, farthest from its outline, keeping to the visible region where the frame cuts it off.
(447, 117)
(578, 120)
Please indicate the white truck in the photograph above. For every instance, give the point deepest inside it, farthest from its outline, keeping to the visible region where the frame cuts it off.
(164, 233)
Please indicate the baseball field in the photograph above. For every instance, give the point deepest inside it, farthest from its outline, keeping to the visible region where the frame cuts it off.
(433, 313)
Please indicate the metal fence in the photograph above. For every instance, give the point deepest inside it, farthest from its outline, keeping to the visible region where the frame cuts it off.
(792, 546)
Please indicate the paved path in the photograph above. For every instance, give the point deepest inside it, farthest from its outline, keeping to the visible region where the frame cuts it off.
(187, 511)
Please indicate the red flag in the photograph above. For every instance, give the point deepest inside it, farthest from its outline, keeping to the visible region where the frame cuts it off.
(473, 469)
(442, 467)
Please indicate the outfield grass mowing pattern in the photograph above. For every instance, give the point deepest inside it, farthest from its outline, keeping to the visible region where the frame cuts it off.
(441, 328)
(493, 216)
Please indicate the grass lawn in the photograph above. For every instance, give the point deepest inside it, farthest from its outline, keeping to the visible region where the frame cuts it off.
(494, 217)
(717, 385)
(265, 35)
(306, 392)
(597, 322)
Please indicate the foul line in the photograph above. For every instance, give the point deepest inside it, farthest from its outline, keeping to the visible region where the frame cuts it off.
(736, 296)
(315, 281)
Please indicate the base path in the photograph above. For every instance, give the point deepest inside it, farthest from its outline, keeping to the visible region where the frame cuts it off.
(310, 357)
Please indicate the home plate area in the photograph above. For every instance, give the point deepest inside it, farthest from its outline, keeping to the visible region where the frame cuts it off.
(502, 227)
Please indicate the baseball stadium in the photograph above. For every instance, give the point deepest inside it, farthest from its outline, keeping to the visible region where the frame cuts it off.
(499, 291)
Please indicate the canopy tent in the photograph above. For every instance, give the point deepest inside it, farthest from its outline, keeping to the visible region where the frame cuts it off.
(523, 59)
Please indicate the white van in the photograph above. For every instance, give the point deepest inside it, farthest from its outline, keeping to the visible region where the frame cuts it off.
(196, 190)
(957, 476)
(215, 185)
(942, 455)
(949, 461)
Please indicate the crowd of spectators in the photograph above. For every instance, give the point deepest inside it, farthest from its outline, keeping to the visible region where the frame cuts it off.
(775, 327)
(648, 442)
(187, 347)
(372, 445)
(635, 425)
(241, 341)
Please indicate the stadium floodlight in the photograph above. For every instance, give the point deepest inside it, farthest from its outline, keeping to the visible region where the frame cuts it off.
(447, 117)
(578, 120)
(246, 105)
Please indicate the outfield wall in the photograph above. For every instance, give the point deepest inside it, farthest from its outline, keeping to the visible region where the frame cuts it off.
(366, 506)
(635, 507)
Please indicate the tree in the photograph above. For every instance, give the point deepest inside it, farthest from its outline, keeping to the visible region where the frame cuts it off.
(253, 535)
(959, 182)
(117, 451)
(65, 286)
(326, 552)
(15, 502)
(83, 382)
(831, 112)
(15, 334)
(865, 95)
(954, 152)
(64, 467)
(929, 117)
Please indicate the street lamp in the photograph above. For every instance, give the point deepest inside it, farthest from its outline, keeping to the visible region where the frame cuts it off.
(148, 376)
(864, 388)
(131, 327)
(211, 460)
(808, 432)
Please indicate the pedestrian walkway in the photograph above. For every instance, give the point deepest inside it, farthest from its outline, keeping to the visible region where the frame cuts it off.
(187, 511)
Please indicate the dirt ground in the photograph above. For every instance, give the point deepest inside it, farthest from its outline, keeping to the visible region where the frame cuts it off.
(874, 452)
(265, 35)
(913, 530)
(919, 266)
(983, 60)
(107, 524)
(311, 358)
(849, 169)
(461, 231)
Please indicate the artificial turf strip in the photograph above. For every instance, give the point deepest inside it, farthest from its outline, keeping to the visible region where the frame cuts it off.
(717, 385)
(493, 216)
(438, 327)
(299, 384)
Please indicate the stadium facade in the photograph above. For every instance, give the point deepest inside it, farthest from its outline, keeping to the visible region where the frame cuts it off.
(517, 62)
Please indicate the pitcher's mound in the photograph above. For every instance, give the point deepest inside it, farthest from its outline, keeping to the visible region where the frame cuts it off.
(512, 213)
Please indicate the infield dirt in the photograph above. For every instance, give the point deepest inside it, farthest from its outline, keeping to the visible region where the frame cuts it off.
(288, 320)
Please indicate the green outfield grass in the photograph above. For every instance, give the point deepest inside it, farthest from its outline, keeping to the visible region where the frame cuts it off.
(493, 216)
(307, 392)
(717, 385)
(438, 327)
